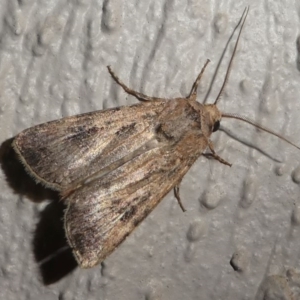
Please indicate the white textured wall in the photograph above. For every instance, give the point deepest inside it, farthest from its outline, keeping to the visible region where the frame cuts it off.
(53, 57)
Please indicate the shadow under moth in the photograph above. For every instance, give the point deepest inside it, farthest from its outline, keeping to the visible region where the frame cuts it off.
(112, 167)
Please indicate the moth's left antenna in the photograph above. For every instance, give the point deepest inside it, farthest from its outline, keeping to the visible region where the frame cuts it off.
(243, 19)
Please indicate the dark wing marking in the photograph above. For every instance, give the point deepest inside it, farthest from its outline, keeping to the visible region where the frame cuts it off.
(102, 213)
(63, 152)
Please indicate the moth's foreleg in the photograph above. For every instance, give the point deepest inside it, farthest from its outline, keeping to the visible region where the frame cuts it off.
(139, 96)
(214, 155)
(177, 196)
(193, 93)
(218, 158)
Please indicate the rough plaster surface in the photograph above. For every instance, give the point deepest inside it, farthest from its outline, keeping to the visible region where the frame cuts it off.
(240, 236)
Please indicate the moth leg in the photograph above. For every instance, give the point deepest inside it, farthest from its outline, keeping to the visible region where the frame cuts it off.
(193, 92)
(177, 196)
(139, 96)
(216, 156)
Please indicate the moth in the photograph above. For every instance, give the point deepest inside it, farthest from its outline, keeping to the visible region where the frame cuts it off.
(112, 167)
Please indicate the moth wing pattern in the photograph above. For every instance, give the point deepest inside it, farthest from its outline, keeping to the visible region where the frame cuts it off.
(125, 173)
(102, 213)
(62, 152)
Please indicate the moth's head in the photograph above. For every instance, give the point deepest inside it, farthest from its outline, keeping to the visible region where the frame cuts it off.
(213, 117)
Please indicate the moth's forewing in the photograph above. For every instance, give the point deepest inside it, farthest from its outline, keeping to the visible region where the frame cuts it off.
(104, 212)
(64, 152)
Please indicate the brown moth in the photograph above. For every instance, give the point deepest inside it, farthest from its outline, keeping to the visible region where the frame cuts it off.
(112, 167)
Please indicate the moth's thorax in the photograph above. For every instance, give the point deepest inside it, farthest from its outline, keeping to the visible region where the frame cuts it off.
(209, 116)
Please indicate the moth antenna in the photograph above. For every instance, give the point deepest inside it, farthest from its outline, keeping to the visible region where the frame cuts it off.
(244, 119)
(243, 19)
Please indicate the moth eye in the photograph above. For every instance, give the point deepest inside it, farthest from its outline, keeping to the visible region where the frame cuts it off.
(216, 126)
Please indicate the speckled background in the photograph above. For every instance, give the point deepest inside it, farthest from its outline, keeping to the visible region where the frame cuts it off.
(240, 236)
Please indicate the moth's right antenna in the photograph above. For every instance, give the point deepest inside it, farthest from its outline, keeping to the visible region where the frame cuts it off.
(246, 120)
(243, 19)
